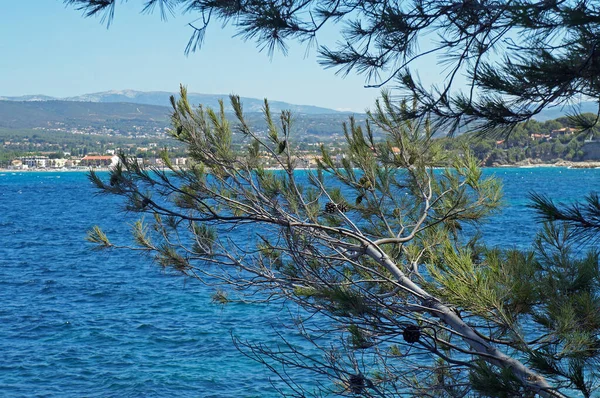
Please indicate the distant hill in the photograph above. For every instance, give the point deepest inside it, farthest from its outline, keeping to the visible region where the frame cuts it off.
(31, 114)
(125, 118)
(28, 98)
(161, 98)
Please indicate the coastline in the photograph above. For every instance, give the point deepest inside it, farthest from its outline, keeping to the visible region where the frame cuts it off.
(526, 164)
(46, 170)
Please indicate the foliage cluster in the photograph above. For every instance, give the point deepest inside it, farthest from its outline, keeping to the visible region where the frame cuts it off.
(520, 145)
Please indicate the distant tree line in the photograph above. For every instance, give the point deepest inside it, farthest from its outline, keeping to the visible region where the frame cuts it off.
(17, 142)
(532, 140)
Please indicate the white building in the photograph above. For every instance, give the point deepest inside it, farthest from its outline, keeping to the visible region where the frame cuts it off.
(35, 162)
(181, 161)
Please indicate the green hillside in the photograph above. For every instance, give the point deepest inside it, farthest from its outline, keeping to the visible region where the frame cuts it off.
(31, 114)
(130, 119)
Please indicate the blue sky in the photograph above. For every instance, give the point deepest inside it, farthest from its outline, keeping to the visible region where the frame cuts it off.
(47, 48)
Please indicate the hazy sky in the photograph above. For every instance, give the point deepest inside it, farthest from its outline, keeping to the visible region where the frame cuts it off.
(47, 48)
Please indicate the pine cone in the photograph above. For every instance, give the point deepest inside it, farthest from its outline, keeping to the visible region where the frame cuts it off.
(411, 334)
(330, 207)
(356, 383)
(342, 207)
(114, 180)
(145, 202)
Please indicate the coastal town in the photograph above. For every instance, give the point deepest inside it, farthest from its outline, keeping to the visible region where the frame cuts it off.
(561, 146)
(47, 163)
(67, 162)
(41, 162)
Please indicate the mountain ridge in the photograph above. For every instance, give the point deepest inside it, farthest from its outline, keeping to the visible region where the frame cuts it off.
(161, 98)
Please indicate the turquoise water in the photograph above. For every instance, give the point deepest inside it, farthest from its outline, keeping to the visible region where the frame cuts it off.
(76, 322)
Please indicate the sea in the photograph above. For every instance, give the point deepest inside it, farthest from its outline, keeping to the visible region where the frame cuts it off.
(77, 322)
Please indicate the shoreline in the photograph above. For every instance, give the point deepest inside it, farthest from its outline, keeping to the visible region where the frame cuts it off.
(520, 165)
(2, 170)
(528, 164)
